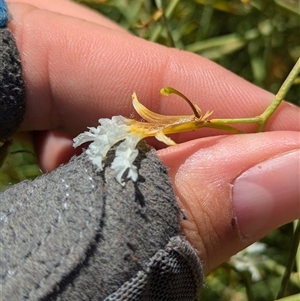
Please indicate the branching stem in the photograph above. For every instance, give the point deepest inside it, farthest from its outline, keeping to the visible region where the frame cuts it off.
(262, 119)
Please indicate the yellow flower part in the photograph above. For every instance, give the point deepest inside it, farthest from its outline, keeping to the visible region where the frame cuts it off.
(128, 132)
(159, 126)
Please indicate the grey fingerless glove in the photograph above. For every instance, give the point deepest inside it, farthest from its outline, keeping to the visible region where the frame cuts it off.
(77, 234)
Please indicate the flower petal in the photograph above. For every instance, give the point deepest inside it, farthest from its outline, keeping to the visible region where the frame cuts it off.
(156, 118)
(160, 136)
(126, 153)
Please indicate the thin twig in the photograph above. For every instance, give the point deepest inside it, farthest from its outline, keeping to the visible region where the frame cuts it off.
(291, 261)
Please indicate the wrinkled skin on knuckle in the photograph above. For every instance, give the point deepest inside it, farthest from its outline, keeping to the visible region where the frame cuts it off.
(200, 232)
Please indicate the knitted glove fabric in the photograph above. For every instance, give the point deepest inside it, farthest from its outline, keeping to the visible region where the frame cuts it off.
(77, 234)
(12, 88)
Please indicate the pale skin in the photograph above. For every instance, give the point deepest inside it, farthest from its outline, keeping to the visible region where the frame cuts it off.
(80, 66)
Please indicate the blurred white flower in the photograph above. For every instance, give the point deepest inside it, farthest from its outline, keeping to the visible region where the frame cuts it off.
(248, 260)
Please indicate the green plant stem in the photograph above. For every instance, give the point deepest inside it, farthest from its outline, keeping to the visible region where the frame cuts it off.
(279, 96)
(165, 23)
(291, 261)
(262, 119)
(167, 13)
(277, 269)
(248, 285)
(236, 120)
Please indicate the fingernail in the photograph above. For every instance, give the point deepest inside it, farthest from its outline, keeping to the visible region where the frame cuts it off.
(267, 195)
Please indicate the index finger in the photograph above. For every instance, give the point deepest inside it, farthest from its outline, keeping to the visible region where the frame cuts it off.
(77, 72)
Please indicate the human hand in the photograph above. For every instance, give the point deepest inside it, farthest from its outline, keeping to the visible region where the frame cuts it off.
(234, 189)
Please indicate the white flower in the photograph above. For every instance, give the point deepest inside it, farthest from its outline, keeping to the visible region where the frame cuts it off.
(125, 156)
(109, 133)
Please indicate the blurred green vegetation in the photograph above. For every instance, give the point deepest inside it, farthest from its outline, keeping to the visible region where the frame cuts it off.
(256, 39)
(20, 163)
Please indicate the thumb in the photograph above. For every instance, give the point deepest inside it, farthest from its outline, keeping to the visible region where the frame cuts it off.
(233, 190)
